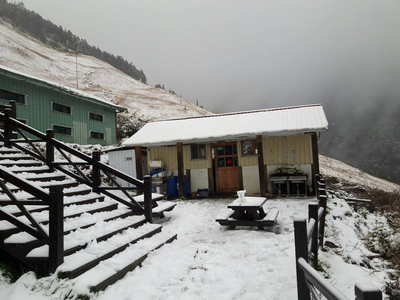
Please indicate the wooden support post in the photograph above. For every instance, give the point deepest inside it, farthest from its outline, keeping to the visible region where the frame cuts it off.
(56, 227)
(211, 187)
(13, 109)
(181, 175)
(315, 165)
(316, 179)
(240, 175)
(50, 149)
(147, 199)
(367, 291)
(138, 160)
(313, 214)
(300, 241)
(7, 128)
(96, 171)
(261, 169)
(189, 181)
(322, 203)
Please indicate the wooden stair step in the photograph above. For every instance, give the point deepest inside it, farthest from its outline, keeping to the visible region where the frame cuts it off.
(80, 222)
(5, 150)
(57, 176)
(79, 239)
(21, 163)
(35, 169)
(159, 210)
(116, 267)
(14, 156)
(21, 244)
(85, 259)
(68, 183)
(42, 218)
(75, 200)
(79, 190)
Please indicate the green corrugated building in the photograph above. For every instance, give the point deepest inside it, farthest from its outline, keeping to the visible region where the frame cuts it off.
(75, 117)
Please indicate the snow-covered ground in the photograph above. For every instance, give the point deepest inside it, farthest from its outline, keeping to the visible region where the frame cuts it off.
(209, 261)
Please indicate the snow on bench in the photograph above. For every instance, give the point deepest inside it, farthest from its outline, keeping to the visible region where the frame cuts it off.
(271, 216)
(160, 209)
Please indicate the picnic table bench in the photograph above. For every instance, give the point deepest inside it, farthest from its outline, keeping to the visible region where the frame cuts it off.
(249, 213)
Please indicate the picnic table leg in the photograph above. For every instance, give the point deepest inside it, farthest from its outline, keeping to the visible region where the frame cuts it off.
(237, 215)
(232, 226)
(254, 214)
(262, 213)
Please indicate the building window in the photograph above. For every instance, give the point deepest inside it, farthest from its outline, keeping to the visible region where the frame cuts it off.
(62, 130)
(61, 108)
(7, 95)
(96, 117)
(97, 135)
(248, 148)
(198, 151)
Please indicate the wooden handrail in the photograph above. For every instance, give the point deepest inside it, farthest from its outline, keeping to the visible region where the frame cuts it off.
(97, 166)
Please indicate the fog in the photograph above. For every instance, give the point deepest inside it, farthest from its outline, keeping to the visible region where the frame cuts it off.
(242, 55)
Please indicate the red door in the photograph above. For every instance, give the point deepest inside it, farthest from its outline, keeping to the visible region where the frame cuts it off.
(226, 167)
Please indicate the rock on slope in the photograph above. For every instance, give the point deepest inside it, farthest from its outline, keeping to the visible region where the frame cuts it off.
(29, 56)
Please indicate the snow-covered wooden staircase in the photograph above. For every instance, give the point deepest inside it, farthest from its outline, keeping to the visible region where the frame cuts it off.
(93, 236)
(103, 240)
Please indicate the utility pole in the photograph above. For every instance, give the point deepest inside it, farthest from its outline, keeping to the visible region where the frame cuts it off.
(76, 64)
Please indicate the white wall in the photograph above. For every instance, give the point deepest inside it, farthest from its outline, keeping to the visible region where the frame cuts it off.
(124, 161)
(251, 179)
(198, 179)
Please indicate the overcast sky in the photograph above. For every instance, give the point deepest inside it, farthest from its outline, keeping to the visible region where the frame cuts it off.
(241, 55)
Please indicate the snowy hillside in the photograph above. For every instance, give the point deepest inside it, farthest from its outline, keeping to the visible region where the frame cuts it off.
(95, 77)
(348, 175)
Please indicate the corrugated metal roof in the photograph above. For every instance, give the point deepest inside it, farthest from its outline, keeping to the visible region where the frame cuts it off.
(78, 93)
(232, 126)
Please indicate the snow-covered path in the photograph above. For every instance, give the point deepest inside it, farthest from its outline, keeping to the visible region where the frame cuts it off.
(209, 261)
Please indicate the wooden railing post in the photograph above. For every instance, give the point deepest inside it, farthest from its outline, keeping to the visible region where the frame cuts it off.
(56, 227)
(7, 128)
(50, 149)
(96, 171)
(367, 291)
(301, 248)
(322, 203)
(316, 179)
(313, 214)
(147, 199)
(13, 105)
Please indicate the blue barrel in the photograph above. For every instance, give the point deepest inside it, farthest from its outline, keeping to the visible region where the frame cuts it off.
(173, 187)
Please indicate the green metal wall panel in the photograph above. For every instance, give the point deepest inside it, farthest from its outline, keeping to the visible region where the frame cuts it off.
(38, 111)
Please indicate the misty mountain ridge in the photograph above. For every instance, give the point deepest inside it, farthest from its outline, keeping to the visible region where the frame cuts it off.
(146, 103)
(365, 134)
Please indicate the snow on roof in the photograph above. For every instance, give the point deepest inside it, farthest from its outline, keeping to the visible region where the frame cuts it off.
(88, 97)
(232, 126)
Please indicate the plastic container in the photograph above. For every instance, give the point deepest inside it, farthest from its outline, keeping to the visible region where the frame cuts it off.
(173, 187)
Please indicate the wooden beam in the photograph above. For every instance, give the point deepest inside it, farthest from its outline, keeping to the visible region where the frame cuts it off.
(240, 175)
(210, 181)
(188, 180)
(261, 168)
(139, 166)
(181, 175)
